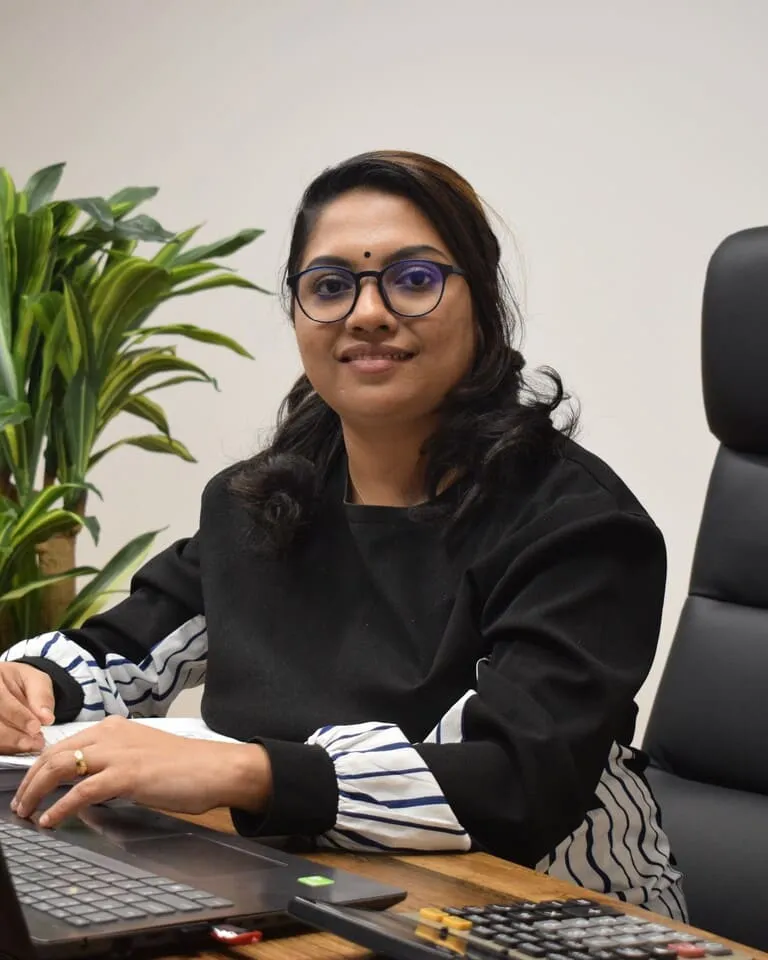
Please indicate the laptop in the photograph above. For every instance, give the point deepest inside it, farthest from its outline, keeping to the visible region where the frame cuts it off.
(120, 876)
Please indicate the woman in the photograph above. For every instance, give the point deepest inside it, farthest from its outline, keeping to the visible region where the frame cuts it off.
(424, 609)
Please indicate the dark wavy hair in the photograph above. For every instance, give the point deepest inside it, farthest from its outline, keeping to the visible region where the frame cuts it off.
(489, 419)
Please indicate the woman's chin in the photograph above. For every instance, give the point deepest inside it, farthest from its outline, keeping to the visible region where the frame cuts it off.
(381, 409)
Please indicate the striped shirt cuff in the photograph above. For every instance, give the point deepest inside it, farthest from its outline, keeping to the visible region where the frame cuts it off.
(388, 797)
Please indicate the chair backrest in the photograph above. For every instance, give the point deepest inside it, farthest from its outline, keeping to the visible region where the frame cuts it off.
(708, 732)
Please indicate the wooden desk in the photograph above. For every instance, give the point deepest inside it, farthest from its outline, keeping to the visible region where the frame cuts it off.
(432, 880)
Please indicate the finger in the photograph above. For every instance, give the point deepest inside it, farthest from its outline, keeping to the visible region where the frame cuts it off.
(78, 741)
(38, 689)
(86, 792)
(14, 712)
(53, 768)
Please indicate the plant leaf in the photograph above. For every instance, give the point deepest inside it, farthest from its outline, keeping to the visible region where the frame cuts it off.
(97, 209)
(148, 410)
(93, 527)
(40, 504)
(8, 382)
(127, 199)
(122, 382)
(173, 381)
(121, 561)
(119, 297)
(13, 412)
(190, 271)
(192, 332)
(43, 582)
(221, 280)
(79, 412)
(64, 214)
(7, 196)
(80, 329)
(142, 227)
(154, 443)
(168, 253)
(220, 248)
(42, 185)
(46, 526)
(33, 234)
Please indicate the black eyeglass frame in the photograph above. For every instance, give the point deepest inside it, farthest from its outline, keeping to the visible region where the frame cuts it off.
(446, 269)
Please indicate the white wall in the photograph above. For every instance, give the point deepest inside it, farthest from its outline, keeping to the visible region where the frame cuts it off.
(619, 141)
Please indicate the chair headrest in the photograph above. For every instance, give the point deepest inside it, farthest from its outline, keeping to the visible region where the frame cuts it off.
(735, 341)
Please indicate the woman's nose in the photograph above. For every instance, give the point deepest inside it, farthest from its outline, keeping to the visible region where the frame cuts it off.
(370, 311)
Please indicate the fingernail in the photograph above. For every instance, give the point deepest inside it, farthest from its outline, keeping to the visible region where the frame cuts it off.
(45, 820)
(13, 804)
(47, 715)
(20, 812)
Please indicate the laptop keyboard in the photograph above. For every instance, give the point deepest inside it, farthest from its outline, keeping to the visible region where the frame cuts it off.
(85, 889)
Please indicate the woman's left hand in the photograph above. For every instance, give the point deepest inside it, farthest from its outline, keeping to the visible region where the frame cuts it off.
(157, 769)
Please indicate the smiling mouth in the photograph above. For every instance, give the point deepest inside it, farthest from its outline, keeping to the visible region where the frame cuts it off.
(371, 357)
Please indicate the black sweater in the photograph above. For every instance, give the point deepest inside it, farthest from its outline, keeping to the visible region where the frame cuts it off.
(413, 691)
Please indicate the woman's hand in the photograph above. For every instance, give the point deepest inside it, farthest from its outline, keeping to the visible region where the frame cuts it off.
(157, 769)
(26, 704)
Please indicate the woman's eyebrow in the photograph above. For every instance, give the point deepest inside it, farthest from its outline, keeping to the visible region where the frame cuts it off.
(404, 253)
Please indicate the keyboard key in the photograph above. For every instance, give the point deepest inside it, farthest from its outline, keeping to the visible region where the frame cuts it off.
(129, 913)
(76, 921)
(216, 903)
(532, 950)
(505, 940)
(129, 897)
(716, 949)
(100, 916)
(130, 884)
(86, 896)
(65, 903)
(155, 909)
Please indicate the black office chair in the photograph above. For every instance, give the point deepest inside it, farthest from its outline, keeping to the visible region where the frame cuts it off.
(708, 732)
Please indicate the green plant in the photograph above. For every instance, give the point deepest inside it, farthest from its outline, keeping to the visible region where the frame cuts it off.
(76, 352)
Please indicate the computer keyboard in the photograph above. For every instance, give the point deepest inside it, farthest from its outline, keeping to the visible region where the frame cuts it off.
(567, 929)
(84, 889)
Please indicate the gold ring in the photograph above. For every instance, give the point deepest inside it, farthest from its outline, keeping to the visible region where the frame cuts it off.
(81, 765)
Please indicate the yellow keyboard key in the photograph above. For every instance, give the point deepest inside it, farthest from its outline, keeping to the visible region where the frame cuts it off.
(457, 923)
(432, 914)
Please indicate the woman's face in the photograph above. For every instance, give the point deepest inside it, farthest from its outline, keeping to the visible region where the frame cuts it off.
(376, 365)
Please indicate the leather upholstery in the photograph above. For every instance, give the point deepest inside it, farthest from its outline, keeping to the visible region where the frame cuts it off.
(708, 732)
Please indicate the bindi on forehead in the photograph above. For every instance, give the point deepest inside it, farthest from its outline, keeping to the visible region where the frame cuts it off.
(367, 254)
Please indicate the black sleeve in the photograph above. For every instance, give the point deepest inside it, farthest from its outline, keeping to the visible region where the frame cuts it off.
(572, 626)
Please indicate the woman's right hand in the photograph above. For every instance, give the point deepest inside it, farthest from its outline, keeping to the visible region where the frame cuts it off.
(26, 704)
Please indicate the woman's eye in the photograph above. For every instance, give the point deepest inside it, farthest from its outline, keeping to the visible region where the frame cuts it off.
(418, 278)
(331, 285)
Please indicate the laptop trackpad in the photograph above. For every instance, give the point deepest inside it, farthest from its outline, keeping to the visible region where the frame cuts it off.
(198, 855)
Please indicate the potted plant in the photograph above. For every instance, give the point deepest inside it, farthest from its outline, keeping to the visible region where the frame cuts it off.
(77, 350)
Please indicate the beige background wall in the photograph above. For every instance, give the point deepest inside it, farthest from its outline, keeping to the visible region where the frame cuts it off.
(620, 142)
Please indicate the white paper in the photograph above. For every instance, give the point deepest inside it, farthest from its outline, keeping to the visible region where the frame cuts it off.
(193, 728)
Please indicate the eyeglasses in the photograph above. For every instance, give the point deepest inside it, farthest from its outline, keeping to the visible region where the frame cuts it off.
(409, 288)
